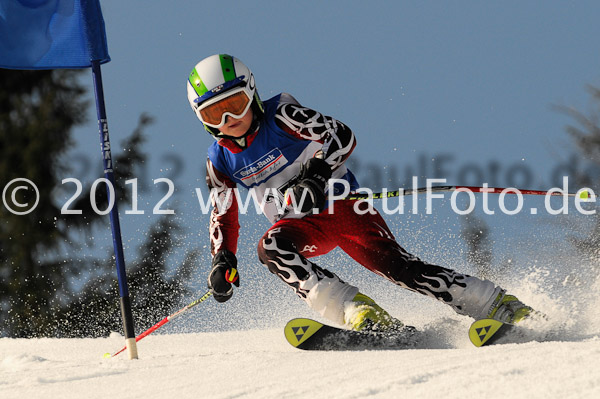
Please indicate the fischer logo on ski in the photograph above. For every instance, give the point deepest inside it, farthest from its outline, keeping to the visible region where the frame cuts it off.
(302, 331)
(482, 332)
(309, 334)
(485, 331)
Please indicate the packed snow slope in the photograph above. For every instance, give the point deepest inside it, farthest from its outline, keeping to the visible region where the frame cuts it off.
(260, 364)
(553, 359)
(238, 350)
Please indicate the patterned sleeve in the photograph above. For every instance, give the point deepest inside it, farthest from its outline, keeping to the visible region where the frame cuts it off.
(224, 224)
(308, 124)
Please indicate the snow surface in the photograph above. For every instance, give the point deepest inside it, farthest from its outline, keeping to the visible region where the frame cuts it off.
(260, 364)
(200, 355)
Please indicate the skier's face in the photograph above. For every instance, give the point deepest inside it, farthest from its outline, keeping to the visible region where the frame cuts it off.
(237, 127)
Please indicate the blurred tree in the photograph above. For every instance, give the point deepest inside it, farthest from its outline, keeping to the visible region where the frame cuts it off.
(38, 110)
(95, 312)
(476, 234)
(586, 135)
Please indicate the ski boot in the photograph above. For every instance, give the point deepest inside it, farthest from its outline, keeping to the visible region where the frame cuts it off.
(363, 314)
(508, 309)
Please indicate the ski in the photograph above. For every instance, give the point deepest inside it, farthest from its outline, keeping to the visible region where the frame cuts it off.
(311, 335)
(488, 331)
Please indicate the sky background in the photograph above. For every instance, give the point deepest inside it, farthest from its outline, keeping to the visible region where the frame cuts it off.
(463, 90)
(474, 81)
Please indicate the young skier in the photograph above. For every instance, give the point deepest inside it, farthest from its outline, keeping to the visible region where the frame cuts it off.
(280, 148)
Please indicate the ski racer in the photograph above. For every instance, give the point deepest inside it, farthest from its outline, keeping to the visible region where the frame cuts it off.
(286, 153)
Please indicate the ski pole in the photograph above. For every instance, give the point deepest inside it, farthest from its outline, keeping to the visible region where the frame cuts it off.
(164, 321)
(583, 194)
(231, 276)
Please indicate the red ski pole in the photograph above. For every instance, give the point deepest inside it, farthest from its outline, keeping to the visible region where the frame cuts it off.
(163, 322)
(231, 276)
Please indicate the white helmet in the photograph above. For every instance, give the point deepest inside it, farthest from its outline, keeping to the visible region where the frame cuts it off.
(222, 79)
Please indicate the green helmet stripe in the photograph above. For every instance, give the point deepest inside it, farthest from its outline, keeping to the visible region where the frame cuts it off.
(227, 67)
(197, 83)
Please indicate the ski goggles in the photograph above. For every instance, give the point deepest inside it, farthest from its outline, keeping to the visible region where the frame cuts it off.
(234, 103)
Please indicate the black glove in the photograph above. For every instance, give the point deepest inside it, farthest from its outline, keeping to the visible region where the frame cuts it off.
(222, 275)
(312, 180)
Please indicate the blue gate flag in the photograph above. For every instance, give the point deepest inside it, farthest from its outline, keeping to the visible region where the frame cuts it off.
(51, 34)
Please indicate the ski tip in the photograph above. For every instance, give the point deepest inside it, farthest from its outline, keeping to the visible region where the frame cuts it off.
(297, 331)
(481, 331)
